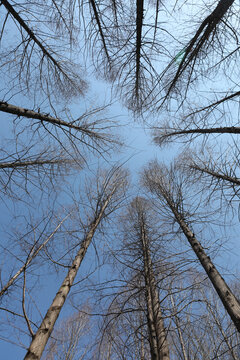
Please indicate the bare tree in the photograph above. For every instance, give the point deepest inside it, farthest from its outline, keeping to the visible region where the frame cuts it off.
(162, 182)
(157, 331)
(123, 41)
(124, 333)
(138, 301)
(26, 170)
(87, 132)
(164, 135)
(205, 39)
(90, 132)
(206, 330)
(40, 56)
(110, 192)
(34, 251)
(179, 330)
(224, 332)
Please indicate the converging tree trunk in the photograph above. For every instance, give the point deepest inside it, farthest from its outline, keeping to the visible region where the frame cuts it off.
(159, 182)
(44, 331)
(166, 135)
(157, 331)
(80, 125)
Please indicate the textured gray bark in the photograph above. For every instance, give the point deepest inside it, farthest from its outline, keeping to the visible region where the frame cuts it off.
(43, 333)
(30, 114)
(228, 299)
(157, 332)
(25, 164)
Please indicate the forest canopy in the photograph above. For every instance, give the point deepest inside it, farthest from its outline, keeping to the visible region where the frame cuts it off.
(104, 256)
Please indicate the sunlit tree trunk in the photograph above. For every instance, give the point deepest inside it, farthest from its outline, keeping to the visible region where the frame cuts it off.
(43, 333)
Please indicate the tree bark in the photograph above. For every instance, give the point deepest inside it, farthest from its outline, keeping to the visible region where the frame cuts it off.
(159, 139)
(30, 114)
(228, 299)
(139, 25)
(157, 332)
(29, 163)
(215, 174)
(43, 333)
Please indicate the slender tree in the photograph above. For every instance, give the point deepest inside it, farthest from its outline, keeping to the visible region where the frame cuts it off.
(168, 135)
(202, 42)
(159, 180)
(124, 332)
(179, 330)
(28, 169)
(206, 329)
(141, 293)
(110, 193)
(157, 331)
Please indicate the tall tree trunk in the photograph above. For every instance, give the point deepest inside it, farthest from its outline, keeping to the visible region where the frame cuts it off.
(28, 163)
(228, 299)
(162, 135)
(100, 26)
(157, 332)
(30, 114)
(43, 333)
(139, 26)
